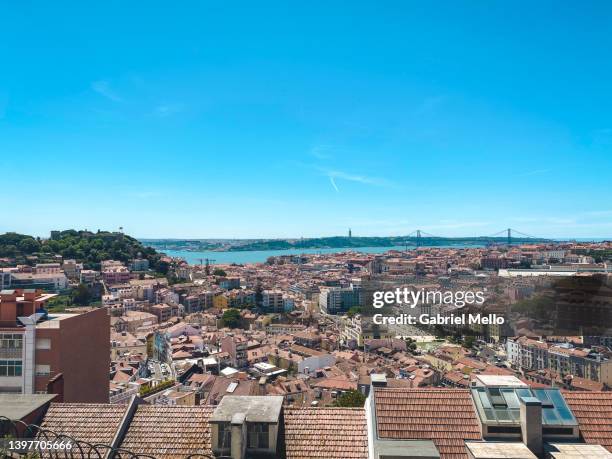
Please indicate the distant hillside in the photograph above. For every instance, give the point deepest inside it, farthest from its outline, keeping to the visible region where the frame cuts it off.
(336, 242)
(319, 243)
(86, 247)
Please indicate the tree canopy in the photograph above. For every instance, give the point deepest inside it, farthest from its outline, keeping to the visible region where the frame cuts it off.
(86, 247)
(351, 399)
(231, 318)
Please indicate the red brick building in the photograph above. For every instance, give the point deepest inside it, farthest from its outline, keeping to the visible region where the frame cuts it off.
(67, 353)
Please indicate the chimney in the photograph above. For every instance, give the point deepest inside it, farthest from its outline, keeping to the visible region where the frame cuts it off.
(531, 424)
(8, 308)
(378, 379)
(56, 386)
(238, 435)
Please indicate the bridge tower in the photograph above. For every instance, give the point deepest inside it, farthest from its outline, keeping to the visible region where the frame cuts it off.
(418, 238)
(509, 236)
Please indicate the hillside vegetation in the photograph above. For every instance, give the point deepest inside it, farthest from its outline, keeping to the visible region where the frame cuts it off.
(86, 247)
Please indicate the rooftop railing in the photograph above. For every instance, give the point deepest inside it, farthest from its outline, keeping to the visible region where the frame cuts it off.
(21, 440)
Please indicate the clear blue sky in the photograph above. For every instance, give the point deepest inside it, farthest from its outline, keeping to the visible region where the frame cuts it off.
(289, 119)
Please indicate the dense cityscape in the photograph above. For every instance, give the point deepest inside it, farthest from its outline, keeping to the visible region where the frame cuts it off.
(306, 230)
(156, 331)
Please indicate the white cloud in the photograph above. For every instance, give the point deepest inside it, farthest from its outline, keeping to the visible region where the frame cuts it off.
(167, 109)
(321, 152)
(333, 182)
(103, 88)
(366, 180)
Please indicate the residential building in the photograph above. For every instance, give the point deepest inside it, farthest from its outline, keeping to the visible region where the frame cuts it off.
(351, 334)
(563, 359)
(51, 282)
(72, 269)
(394, 423)
(236, 347)
(139, 264)
(72, 351)
(272, 301)
(116, 275)
(89, 276)
(164, 312)
(338, 300)
(131, 321)
(229, 283)
(47, 268)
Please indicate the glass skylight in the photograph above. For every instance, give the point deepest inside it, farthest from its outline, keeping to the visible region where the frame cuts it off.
(501, 405)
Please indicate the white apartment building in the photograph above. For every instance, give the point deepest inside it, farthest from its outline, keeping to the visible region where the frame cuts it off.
(272, 300)
(351, 334)
(47, 268)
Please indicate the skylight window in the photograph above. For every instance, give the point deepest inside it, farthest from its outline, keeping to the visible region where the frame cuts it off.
(502, 405)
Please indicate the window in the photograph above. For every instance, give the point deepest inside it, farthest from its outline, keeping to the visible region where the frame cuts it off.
(10, 367)
(504, 429)
(43, 370)
(258, 436)
(11, 341)
(225, 435)
(43, 343)
(557, 431)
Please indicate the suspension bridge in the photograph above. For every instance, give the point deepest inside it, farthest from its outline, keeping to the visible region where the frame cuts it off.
(508, 236)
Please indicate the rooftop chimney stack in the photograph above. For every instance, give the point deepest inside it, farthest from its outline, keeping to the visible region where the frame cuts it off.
(378, 379)
(238, 435)
(531, 424)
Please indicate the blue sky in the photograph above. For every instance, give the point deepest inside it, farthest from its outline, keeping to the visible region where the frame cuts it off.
(289, 119)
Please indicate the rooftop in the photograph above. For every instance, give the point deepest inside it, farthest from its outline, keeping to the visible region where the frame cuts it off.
(16, 406)
(499, 450)
(90, 422)
(255, 408)
(501, 405)
(154, 431)
(499, 381)
(593, 410)
(445, 416)
(53, 320)
(576, 451)
(331, 433)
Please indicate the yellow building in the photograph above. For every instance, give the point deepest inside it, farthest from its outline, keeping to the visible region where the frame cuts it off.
(220, 301)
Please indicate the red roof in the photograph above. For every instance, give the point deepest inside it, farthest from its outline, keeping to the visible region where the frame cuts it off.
(593, 411)
(330, 433)
(445, 416)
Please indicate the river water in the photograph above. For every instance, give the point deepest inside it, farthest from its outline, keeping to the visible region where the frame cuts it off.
(260, 256)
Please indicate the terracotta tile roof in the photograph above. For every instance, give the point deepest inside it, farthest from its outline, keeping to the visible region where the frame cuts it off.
(219, 388)
(88, 422)
(338, 382)
(586, 384)
(445, 416)
(169, 431)
(593, 411)
(331, 433)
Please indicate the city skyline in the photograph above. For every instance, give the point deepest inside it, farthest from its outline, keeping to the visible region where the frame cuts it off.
(301, 230)
(251, 121)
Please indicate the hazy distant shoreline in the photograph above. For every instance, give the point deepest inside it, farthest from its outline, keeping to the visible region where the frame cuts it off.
(260, 256)
(336, 242)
